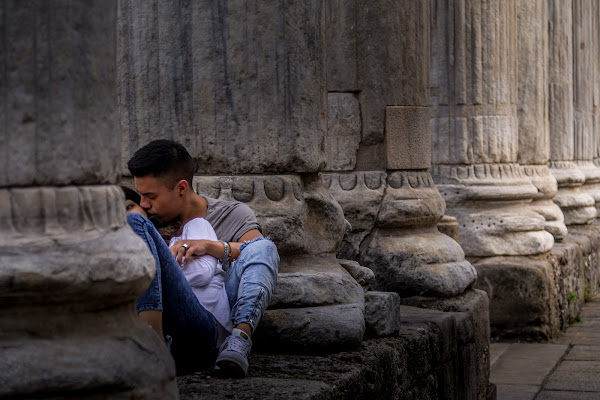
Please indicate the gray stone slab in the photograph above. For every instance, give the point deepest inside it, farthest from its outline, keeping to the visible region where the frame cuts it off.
(584, 353)
(526, 364)
(496, 350)
(564, 395)
(575, 376)
(516, 392)
(585, 338)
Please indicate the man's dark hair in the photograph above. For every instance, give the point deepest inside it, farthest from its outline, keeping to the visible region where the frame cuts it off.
(164, 159)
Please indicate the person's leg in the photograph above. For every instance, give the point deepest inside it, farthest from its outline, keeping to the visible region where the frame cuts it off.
(192, 328)
(249, 284)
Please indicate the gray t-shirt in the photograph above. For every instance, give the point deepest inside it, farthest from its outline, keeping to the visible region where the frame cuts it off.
(230, 219)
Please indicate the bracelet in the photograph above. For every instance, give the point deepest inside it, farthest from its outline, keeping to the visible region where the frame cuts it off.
(226, 254)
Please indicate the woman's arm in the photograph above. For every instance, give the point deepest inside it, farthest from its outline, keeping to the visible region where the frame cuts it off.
(214, 248)
(199, 271)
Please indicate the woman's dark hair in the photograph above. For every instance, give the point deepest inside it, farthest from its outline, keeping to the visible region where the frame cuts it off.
(131, 194)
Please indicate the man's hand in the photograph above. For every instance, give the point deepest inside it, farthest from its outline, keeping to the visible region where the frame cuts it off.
(196, 248)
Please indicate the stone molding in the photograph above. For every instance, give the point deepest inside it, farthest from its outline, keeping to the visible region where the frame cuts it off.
(482, 182)
(49, 211)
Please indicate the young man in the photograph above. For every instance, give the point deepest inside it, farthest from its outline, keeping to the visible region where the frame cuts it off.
(163, 172)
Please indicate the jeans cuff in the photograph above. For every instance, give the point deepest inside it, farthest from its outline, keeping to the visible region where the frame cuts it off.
(148, 307)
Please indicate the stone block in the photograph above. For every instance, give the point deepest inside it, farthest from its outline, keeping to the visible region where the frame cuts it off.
(314, 281)
(521, 293)
(382, 313)
(363, 276)
(407, 137)
(310, 329)
(343, 132)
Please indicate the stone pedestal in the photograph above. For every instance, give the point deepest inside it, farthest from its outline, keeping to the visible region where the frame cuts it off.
(70, 267)
(316, 304)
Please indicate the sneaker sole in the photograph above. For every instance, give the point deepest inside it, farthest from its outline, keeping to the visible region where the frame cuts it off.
(231, 369)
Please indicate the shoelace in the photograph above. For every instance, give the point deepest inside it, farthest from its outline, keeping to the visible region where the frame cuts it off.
(237, 344)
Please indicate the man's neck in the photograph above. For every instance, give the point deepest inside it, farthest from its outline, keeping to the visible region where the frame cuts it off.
(194, 207)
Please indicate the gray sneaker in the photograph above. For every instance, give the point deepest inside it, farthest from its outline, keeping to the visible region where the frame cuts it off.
(234, 353)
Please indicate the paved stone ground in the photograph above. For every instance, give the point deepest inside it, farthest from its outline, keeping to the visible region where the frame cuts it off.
(567, 369)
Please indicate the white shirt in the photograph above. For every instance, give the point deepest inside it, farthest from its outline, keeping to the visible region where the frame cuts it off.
(206, 276)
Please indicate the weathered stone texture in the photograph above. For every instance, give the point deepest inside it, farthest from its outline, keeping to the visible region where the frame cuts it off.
(242, 86)
(343, 132)
(341, 29)
(392, 33)
(532, 108)
(382, 313)
(436, 355)
(407, 136)
(57, 88)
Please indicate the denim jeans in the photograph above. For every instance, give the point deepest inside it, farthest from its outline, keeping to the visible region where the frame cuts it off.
(250, 281)
(192, 327)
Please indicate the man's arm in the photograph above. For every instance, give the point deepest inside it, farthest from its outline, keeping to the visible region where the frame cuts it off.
(212, 247)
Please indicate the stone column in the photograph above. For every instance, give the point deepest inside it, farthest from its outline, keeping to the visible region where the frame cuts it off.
(475, 129)
(383, 185)
(577, 206)
(244, 89)
(585, 61)
(532, 111)
(70, 267)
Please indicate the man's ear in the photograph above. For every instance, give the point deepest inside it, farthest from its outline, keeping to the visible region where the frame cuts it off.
(182, 187)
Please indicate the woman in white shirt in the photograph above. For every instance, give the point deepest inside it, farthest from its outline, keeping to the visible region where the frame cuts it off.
(206, 276)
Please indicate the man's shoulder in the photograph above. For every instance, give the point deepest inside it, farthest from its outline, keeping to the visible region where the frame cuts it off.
(218, 207)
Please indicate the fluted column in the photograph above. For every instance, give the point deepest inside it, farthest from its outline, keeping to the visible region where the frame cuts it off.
(585, 43)
(70, 267)
(475, 129)
(577, 206)
(532, 111)
(243, 87)
(385, 189)
(596, 85)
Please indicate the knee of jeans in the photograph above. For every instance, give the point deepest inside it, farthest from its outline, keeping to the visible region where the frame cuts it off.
(266, 247)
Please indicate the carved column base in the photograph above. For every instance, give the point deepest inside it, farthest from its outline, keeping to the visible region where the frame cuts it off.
(492, 204)
(592, 181)
(426, 263)
(577, 206)
(555, 219)
(70, 270)
(316, 303)
(542, 203)
(401, 242)
(493, 229)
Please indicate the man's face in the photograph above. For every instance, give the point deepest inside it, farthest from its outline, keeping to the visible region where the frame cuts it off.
(157, 199)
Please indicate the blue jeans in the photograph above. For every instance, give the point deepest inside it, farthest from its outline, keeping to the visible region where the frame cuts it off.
(250, 281)
(192, 327)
